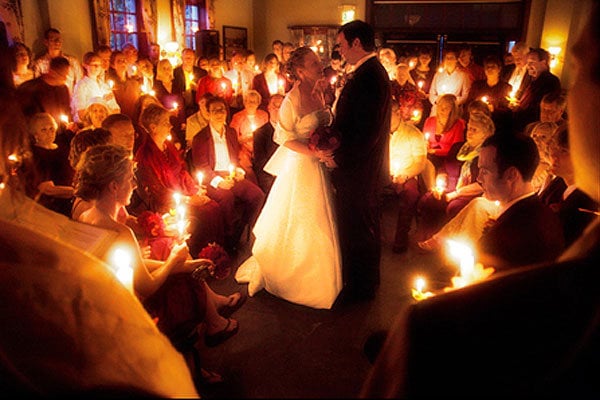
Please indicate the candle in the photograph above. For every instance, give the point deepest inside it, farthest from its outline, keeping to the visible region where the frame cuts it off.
(64, 118)
(177, 198)
(200, 177)
(420, 84)
(281, 86)
(223, 85)
(440, 183)
(484, 99)
(111, 83)
(417, 291)
(441, 69)
(121, 262)
(470, 272)
(416, 115)
(175, 106)
(169, 138)
(333, 80)
(412, 64)
(231, 171)
(427, 135)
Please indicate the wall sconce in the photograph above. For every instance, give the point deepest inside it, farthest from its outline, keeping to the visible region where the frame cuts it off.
(554, 51)
(347, 13)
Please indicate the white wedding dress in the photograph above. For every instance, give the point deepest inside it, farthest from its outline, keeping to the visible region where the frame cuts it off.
(296, 254)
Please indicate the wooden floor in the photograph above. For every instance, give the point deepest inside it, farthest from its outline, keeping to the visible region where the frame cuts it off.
(284, 350)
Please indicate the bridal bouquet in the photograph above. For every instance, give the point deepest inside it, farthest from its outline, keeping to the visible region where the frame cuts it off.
(324, 138)
(220, 259)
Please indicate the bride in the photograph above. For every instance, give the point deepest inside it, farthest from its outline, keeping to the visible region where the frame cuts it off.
(296, 254)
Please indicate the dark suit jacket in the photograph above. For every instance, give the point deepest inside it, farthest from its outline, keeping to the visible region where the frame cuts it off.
(203, 151)
(532, 332)
(529, 103)
(179, 78)
(528, 232)
(363, 120)
(264, 147)
(553, 192)
(572, 220)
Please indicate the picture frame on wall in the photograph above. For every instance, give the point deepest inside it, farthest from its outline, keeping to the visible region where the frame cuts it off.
(234, 38)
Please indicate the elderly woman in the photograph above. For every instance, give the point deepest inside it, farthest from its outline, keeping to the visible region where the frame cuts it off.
(106, 178)
(95, 113)
(437, 206)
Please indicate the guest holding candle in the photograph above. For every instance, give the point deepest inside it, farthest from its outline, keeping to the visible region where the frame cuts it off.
(162, 172)
(170, 99)
(94, 114)
(215, 83)
(185, 78)
(449, 80)
(91, 86)
(106, 178)
(215, 153)
(126, 89)
(267, 82)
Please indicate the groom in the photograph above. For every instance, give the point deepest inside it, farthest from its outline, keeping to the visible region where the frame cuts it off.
(362, 118)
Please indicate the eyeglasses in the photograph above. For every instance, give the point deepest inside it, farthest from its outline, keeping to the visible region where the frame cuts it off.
(217, 111)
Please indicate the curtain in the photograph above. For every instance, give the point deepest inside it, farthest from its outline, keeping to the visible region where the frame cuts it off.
(178, 22)
(148, 21)
(101, 18)
(11, 15)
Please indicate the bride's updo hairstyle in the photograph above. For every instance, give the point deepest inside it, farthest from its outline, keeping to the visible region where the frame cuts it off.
(98, 167)
(296, 61)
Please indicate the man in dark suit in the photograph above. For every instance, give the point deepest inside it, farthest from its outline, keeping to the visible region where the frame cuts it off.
(530, 332)
(516, 74)
(185, 78)
(361, 162)
(264, 146)
(215, 153)
(542, 83)
(526, 231)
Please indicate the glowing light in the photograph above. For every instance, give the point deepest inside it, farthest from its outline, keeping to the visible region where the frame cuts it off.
(417, 291)
(231, 171)
(485, 99)
(111, 83)
(64, 118)
(121, 261)
(420, 84)
(199, 177)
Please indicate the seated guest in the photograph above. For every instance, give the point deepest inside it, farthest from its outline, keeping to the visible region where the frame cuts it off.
(422, 74)
(121, 130)
(165, 287)
(21, 64)
(542, 136)
(436, 207)
(215, 153)
(444, 130)
(529, 332)
(408, 155)
(197, 121)
(573, 219)
(52, 180)
(146, 75)
(468, 65)
(55, 294)
(526, 231)
(241, 79)
(94, 114)
(245, 122)
(264, 146)
(450, 80)
(162, 172)
(516, 74)
(542, 82)
(91, 86)
(185, 78)
(552, 109)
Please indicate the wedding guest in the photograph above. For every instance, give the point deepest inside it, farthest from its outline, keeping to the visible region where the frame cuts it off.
(91, 86)
(185, 78)
(388, 58)
(333, 74)
(49, 93)
(264, 146)
(552, 109)
(468, 64)
(131, 57)
(444, 130)
(165, 287)
(251, 64)
(215, 83)
(162, 172)
(438, 206)
(423, 72)
(126, 89)
(104, 52)
(576, 209)
(21, 63)
(52, 180)
(197, 121)
(516, 74)
(542, 82)
(408, 155)
(146, 75)
(94, 113)
(53, 43)
(286, 51)
(215, 153)
(165, 93)
(241, 79)
(270, 81)
(121, 130)
(245, 122)
(449, 80)
(277, 49)
(506, 166)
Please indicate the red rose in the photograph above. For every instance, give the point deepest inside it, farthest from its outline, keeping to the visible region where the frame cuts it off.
(151, 224)
(324, 138)
(220, 259)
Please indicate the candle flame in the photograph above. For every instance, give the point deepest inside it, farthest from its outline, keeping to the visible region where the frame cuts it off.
(64, 118)
(420, 84)
(200, 177)
(177, 198)
(121, 260)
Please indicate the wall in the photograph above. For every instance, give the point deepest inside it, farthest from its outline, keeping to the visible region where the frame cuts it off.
(274, 16)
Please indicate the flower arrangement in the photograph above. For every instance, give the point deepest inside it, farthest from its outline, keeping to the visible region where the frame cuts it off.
(220, 259)
(153, 233)
(324, 138)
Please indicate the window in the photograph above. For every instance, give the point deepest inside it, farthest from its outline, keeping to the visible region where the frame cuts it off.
(195, 20)
(123, 23)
